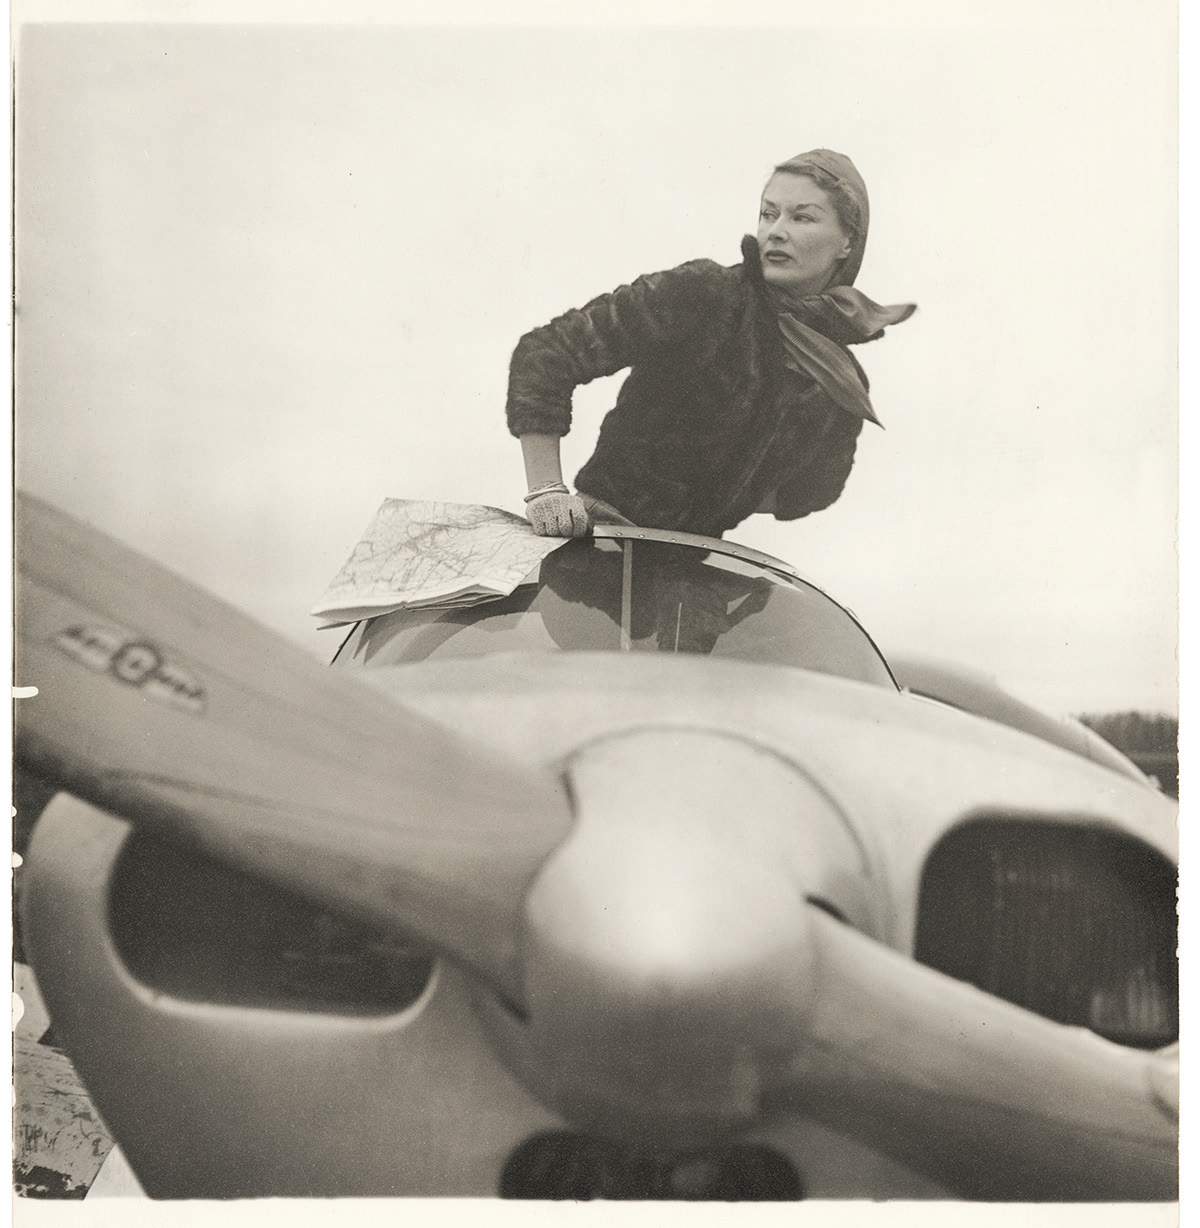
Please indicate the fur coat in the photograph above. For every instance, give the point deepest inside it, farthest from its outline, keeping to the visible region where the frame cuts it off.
(710, 422)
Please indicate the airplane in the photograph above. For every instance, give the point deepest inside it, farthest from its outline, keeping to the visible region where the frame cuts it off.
(649, 880)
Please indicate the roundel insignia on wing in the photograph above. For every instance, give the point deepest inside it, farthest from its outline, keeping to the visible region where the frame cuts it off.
(135, 662)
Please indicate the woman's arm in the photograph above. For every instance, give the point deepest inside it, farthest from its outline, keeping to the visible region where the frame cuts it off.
(610, 333)
(543, 464)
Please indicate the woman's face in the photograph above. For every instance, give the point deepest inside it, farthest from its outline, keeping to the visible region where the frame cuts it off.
(800, 239)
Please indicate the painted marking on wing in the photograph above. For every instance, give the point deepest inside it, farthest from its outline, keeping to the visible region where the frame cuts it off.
(136, 663)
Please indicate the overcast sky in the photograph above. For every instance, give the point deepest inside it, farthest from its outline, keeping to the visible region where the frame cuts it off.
(269, 275)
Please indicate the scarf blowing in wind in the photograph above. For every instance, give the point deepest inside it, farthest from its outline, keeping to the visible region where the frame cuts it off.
(817, 328)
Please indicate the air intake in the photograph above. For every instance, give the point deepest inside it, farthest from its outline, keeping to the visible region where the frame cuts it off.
(1076, 924)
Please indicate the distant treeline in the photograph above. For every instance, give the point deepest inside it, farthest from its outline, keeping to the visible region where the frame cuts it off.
(1151, 741)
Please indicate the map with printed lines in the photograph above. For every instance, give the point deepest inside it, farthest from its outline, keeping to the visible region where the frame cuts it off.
(432, 555)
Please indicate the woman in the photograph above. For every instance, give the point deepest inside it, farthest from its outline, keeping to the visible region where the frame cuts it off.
(742, 396)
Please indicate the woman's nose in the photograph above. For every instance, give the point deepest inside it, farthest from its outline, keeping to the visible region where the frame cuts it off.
(778, 229)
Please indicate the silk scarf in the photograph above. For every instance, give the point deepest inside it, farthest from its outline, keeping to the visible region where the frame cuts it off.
(816, 331)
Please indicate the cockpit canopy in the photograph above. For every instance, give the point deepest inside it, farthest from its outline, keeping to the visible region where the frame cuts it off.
(640, 591)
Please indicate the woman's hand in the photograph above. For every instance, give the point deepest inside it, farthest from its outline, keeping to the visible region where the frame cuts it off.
(550, 507)
(555, 513)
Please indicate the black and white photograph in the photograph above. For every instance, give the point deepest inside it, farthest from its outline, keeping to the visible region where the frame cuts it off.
(596, 609)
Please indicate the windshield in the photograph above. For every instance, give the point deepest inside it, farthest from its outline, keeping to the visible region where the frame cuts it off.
(627, 595)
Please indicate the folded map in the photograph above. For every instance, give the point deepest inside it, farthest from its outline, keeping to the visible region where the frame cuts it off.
(427, 555)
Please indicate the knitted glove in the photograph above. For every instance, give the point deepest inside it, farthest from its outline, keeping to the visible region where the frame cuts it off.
(555, 514)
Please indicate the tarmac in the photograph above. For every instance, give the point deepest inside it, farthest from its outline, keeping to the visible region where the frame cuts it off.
(61, 1147)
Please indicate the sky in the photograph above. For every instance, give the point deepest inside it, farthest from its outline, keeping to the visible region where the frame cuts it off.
(269, 274)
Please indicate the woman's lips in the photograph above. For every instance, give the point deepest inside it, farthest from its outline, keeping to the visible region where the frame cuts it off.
(777, 257)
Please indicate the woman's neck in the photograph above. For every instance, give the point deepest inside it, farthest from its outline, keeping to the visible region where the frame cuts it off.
(781, 300)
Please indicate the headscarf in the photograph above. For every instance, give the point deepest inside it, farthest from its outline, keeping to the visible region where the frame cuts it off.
(844, 315)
